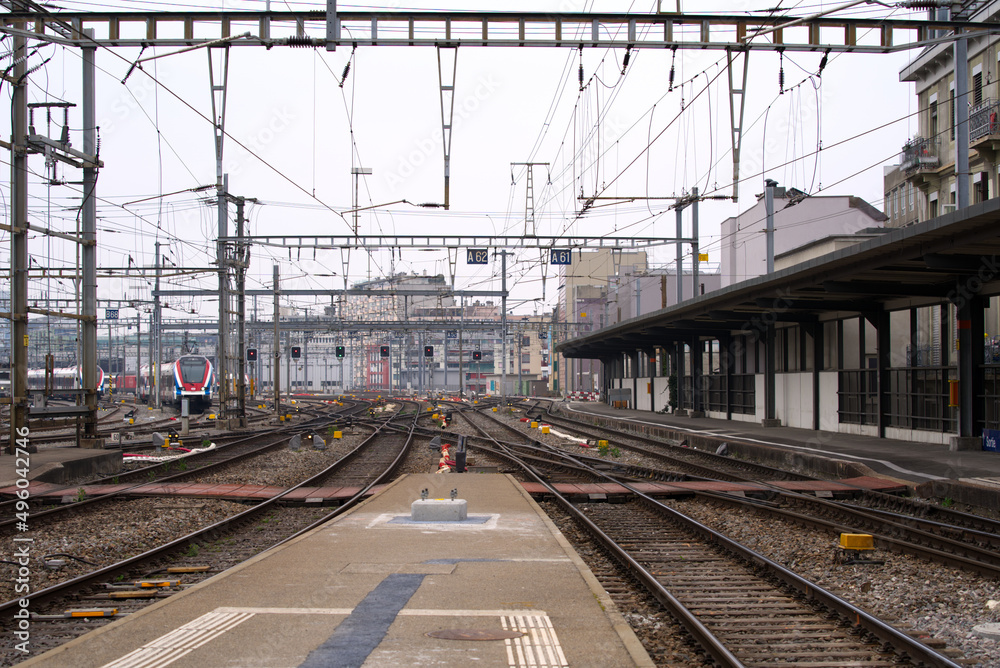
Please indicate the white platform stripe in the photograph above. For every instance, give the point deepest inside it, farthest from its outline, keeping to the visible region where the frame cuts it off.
(539, 648)
(148, 658)
(406, 612)
(169, 647)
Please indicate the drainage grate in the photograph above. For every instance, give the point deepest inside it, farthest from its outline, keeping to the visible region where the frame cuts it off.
(475, 634)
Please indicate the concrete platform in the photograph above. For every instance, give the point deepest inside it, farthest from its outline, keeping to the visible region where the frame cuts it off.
(57, 465)
(369, 586)
(930, 469)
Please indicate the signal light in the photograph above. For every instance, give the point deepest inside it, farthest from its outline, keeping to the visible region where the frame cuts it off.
(428, 351)
(477, 355)
(296, 352)
(384, 351)
(340, 351)
(251, 354)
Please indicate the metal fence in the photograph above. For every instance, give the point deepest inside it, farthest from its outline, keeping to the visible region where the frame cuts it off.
(919, 398)
(857, 396)
(742, 393)
(991, 395)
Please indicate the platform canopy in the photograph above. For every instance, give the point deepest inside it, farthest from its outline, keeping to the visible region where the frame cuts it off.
(952, 258)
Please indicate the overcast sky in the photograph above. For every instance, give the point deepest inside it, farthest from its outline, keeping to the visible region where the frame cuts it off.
(511, 105)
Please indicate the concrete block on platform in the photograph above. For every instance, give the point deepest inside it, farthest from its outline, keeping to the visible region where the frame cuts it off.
(958, 443)
(770, 422)
(439, 510)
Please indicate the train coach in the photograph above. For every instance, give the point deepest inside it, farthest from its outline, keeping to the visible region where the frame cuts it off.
(190, 377)
(62, 384)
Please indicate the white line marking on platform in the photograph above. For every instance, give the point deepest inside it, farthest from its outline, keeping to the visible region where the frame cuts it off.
(406, 612)
(443, 526)
(289, 611)
(888, 464)
(168, 648)
(538, 648)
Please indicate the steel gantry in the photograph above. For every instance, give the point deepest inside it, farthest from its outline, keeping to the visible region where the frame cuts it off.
(736, 34)
(661, 30)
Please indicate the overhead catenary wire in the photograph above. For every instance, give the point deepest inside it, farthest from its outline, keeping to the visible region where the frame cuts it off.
(604, 106)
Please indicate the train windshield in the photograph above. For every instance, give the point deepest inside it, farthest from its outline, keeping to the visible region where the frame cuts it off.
(192, 369)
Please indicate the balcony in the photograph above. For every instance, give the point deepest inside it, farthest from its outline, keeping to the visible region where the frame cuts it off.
(984, 128)
(920, 154)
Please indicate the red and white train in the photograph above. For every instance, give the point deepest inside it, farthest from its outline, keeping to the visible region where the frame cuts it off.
(190, 377)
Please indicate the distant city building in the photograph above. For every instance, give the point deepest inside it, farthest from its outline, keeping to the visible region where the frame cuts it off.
(799, 220)
(583, 287)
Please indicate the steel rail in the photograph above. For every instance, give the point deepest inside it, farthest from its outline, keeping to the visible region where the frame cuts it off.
(109, 572)
(884, 632)
(283, 436)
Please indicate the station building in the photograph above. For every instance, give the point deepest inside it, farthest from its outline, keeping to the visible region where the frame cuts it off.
(894, 336)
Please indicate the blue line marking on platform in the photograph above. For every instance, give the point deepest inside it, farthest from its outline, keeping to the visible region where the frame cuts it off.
(364, 629)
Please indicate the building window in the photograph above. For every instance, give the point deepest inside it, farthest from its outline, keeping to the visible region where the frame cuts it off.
(982, 188)
(977, 87)
(951, 110)
(912, 194)
(933, 126)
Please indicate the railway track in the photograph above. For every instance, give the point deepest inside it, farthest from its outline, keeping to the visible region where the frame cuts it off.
(900, 524)
(697, 463)
(191, 558)
(190, 467)
(741, 608)
(112, 422)
(902, 506)
(971, 550)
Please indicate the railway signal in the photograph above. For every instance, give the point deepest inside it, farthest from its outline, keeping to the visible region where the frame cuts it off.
(384, 351)
(340, 352)
(428, 351)
(296, 352)
(251, 354)
(477, 355)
